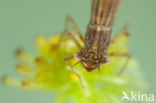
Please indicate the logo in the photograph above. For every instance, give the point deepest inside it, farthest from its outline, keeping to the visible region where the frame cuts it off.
(138, 97)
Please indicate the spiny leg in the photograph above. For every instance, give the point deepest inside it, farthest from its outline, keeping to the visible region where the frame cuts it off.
(71, 36)
(67, 58)
(122, 54)
(118, 35)
(75, 27)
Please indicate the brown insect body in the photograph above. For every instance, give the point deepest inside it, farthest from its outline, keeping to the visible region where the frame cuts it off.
(97, 38)
(94, 51)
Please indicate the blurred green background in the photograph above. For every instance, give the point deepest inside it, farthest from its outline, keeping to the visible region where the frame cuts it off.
(22, 20)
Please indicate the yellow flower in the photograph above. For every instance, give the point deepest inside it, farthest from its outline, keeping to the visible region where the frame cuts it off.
(49, 71)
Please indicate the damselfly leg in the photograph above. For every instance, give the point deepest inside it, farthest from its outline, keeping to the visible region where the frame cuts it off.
(119, 34)
(122, 54)
(67, 58)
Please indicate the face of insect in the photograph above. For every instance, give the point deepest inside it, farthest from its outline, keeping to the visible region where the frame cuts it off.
(90, 59)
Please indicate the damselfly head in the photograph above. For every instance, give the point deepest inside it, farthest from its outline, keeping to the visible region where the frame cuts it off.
(90, 59)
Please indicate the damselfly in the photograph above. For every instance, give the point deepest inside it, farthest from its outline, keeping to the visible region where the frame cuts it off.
(98, 36)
